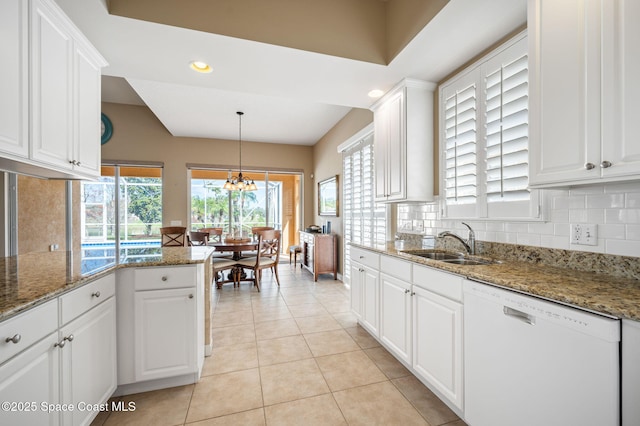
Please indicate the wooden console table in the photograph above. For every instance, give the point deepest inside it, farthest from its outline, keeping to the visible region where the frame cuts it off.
(319, 253)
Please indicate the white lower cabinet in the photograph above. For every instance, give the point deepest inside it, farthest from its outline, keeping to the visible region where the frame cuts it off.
(27, 380)
(89, 362)
(160, 327)
(630, 373)
(395, 316)
(365, 296)
(437, 332)
(165, 333)
(66, 364)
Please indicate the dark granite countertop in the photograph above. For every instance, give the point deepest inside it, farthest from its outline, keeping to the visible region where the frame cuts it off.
(31, 279)
(598, 292)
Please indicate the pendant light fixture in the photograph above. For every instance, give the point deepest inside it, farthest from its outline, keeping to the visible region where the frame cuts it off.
(239, 183)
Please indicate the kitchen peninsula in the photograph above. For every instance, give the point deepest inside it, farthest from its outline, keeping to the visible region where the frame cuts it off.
(145, 320)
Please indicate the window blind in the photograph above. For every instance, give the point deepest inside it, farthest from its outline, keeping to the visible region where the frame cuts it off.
(364, 220)
(460, 146)
(507, 132)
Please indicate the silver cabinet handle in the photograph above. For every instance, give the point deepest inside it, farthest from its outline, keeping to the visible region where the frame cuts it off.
(15, 339)
(407, 291)
(589, 166)
(191, 296)
(164, 278)
(361, 257)
(606, 164)
(64, 341)
(96, 294)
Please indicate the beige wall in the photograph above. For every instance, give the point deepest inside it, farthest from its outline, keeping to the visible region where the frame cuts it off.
(139, 136)
(328, 162)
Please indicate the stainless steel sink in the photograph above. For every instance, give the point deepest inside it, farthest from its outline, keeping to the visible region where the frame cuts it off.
(462, 261)
(448, 257)
(437, 255)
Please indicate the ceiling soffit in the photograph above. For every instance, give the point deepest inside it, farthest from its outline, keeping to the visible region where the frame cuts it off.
(365, 30)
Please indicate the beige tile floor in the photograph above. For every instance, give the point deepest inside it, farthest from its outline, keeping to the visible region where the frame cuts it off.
(287, 356)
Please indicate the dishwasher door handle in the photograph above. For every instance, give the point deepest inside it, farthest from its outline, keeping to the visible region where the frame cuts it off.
(514, 313)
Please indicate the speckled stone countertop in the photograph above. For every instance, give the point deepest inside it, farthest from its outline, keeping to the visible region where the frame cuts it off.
(31, 279)
(598, 292)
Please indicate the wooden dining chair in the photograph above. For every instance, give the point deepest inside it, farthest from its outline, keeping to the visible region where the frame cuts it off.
(197, 238)
(215, 234)
(268, 254)
(256, 229)
(173, 236)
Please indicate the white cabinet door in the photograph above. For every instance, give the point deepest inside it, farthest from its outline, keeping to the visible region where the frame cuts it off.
(31, 376)
(356, 289)
(14, 112)
(165, 333)
(630, 373)
(51, 87)
(390, 149)
(621, 88)
(395, 316)
(585, 95)
(89, 366)
(87, 147)
(437, 343)
(370, 300)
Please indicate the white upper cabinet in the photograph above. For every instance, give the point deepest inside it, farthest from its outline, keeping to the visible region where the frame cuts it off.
(403, 144)
(14, 112)
(51, 127)
(585, 91)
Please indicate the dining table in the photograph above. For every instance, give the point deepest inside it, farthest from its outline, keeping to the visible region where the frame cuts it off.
(237, 247)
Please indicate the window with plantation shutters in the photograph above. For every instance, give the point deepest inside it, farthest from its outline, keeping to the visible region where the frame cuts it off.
(364, 220)
(507, 131)
(460, 145)
(484, 120)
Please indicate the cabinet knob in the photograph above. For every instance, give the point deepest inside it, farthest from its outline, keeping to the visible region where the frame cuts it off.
(191, 296)
(606, 164)
(69, 338)
(413, 293)
(589, 166)
(406, 291)
(72, 162)
(361, 257)
(15, 339)
(96, 294)
(61, 343)
(164, 278)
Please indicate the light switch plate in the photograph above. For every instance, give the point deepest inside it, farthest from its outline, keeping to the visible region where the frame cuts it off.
(584, 234)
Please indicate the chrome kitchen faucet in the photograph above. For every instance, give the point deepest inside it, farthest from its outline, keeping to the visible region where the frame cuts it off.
(469, 245)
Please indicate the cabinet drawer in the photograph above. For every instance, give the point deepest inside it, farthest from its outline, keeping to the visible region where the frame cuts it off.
(396, 268)
(365, 257)
(442, 283)
(29, 327)
(165, 277)
(79, 301)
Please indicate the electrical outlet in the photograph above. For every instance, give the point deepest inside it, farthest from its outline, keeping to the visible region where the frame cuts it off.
(584, 234)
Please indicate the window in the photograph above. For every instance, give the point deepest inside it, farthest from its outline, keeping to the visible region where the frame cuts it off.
(364, 220)
(484, 119)
(122, 210)
(276, 202)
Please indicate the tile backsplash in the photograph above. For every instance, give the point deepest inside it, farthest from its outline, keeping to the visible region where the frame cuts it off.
(613, 207)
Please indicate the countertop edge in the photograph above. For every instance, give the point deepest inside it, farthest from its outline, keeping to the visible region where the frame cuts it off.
(497, 275)
(89, 278)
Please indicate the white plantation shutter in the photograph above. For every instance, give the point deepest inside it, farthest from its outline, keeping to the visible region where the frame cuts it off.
(484, 121)
(460, 146)
(364, 220)
(507, 132)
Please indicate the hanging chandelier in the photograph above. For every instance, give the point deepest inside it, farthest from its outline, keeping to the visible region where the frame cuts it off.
(239, 183)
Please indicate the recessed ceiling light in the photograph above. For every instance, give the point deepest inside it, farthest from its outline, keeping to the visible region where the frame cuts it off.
(200, 66)
(375, 93)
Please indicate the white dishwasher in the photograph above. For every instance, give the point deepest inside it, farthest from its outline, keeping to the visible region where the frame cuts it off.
(533, 362)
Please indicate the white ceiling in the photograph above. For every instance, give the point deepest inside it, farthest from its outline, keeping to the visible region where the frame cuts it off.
(288, 95)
